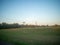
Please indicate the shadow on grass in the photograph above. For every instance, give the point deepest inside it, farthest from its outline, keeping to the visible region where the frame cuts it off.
(2, 42)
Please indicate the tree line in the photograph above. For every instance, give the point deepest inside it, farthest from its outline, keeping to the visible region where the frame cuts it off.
(16, 25)
(6, 25)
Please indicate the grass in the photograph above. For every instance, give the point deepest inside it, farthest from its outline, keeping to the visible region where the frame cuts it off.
(31, 36)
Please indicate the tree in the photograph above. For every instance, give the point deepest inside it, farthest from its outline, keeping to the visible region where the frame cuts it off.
(23, 23)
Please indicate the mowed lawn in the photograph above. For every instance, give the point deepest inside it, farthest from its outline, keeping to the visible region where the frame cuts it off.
(31, 36)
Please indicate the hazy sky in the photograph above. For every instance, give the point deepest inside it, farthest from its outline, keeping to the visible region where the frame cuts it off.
(30, 11)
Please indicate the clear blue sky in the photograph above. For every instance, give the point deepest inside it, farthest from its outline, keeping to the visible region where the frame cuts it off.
(30, 11)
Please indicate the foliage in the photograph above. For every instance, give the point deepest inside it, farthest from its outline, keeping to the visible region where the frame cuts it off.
(16, 25)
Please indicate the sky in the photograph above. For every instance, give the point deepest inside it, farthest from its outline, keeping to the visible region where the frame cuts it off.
(41, 12)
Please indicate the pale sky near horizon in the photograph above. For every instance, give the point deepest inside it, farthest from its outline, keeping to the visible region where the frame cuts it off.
(30, 11)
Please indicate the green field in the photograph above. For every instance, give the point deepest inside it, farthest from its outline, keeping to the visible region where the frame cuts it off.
(31, 36)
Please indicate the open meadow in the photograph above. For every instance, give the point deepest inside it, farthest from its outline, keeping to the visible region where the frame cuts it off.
(30, 36)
